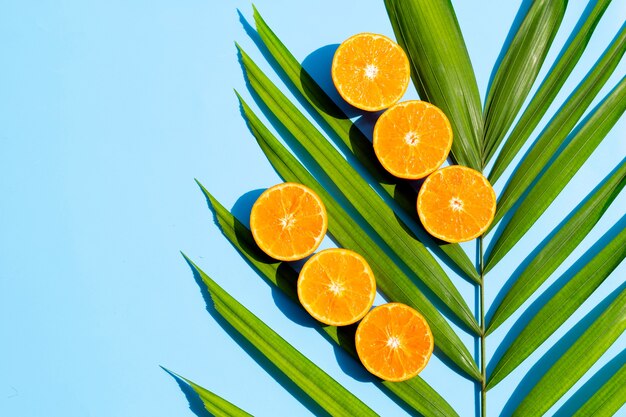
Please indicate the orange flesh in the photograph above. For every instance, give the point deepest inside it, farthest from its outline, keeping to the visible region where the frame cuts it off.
(288, 221)
(412, 139)
(394, 342)
(371, 72)
(456, 204)
(337, 287)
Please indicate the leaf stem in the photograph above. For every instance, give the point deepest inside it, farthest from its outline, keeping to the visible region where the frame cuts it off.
(483, 391)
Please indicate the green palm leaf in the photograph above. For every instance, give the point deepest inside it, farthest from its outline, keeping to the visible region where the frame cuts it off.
(560, 307)
(518, 70)
(558, 248)
(441, 69)
(577, 360)
(416, 393)
(313, 381)
(357, 191)
(560, 126)
(608, 399)
(390, 279)
(558, 175)
(213, 403)
(560, 71)
(354, 140)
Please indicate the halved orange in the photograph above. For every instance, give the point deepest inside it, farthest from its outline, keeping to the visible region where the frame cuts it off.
(394, 342)
(370, 71)
(337, 287)
(412, 139)
(288, 221)
(456, 204)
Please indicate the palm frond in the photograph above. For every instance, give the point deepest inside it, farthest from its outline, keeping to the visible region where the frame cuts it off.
(560, 307)
(607, 400)
(317, 384)
(416, 393)
(390, 279)
(576, 361)
(354, 141)
(213, 403)
(584, 141)
(363, 198)
(550, 87)
(560, 126)
(566, 238)
(518, 70)
(441, 69)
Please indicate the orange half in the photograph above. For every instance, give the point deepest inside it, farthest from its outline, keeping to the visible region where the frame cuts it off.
(337, 287)
(412, 139)
(370, 71)
(288, 221)
(456, 204)
(394, 342)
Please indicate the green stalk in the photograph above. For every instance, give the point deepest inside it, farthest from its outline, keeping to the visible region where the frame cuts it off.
(483, 356)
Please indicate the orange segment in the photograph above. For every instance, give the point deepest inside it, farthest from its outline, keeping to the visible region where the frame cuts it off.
(337, 287)
(412, 139)
(288, 221)
(394, 342)
(370, 71)
(456, 204)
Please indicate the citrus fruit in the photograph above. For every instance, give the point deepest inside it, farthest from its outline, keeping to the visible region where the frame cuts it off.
(394, 342)
(288, 221)
(370, 71)
(412, 139)
(456, 204)
(337, 287)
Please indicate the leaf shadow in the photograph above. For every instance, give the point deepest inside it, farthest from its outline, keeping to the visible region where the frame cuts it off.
(534, 375)
(586, 391)
(551, 291)
(254, 353)
(345, 351)
(193, 398)
(284, 291)
(324, 179)
(316, 70)
(510, 281)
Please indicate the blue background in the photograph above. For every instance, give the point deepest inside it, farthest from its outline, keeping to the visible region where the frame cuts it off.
(108, 110)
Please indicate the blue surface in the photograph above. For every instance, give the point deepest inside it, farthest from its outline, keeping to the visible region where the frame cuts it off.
(108, 110)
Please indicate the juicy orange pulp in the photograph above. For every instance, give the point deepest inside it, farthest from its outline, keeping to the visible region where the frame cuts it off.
(456, 204)
(288, 221)
(394, 342)
(370, 71)
(337, 287)
(412, 139)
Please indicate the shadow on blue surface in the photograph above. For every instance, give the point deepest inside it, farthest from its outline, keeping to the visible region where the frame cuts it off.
(285, 298)
(316, 70)
(195, 402)
(576, 401)
(548, 294)
(304, 156)
(534, 375)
